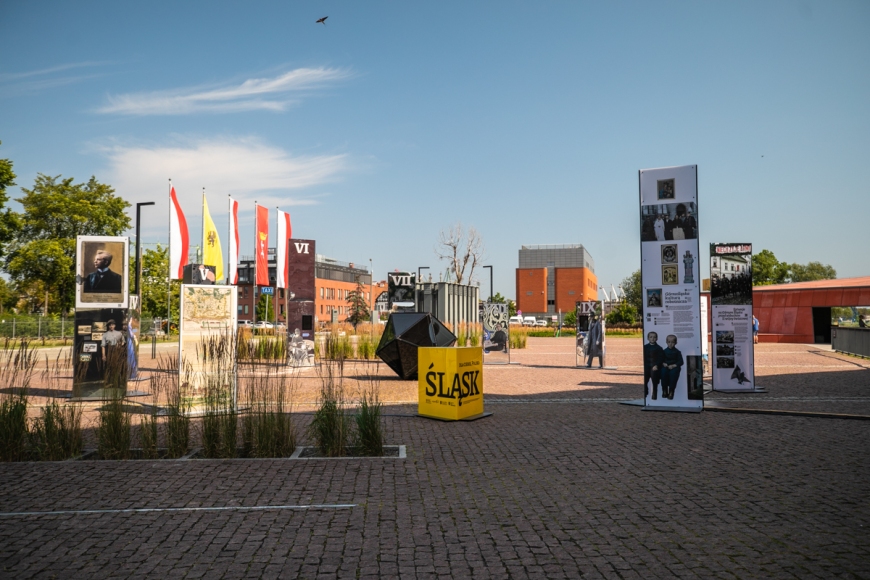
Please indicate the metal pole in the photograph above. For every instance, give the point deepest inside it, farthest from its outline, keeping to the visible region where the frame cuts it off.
(490, 282)
(139, 245)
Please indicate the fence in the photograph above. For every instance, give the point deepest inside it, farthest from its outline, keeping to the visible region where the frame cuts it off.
(40, 327)
(851, 340)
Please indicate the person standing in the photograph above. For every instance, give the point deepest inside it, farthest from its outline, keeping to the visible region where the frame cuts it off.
(755, 327)
(672, 364)
(659, 227)
(653, 357)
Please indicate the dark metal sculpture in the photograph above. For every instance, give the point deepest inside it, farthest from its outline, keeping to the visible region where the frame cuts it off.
(404, 333)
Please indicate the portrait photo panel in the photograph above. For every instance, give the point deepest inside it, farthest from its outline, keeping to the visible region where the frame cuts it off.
(102, 273)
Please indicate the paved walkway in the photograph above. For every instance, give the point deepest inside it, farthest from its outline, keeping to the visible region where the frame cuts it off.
(561, 482)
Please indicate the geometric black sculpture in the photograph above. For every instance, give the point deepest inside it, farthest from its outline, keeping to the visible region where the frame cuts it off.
(404, 333)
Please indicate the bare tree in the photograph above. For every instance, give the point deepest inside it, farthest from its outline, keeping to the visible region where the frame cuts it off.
(463, 250)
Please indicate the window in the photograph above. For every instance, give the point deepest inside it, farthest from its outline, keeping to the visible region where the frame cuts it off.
(246, 308)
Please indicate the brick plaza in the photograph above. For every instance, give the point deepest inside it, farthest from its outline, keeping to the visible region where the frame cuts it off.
(561, 482)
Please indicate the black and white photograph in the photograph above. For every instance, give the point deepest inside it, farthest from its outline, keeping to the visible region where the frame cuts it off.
(98, 326)
(731, 279)
(725, 362)
(662, 222)
(199, 274)
(725, 336)
(102, 273)
(724, 350)
(654, 298)
(89, 347)
(695, 377)
(83, 329)
(665, 188)
(670, 275)
(669, 254)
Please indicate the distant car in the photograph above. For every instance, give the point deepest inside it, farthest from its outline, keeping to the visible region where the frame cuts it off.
(540, 323)
(245, 324)
(515, 321)
(263, 324)
(529, 321)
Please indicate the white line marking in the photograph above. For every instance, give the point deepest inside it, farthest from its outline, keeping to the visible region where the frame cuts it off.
(187, 509)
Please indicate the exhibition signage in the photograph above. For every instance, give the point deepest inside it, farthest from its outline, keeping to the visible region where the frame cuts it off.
(584, 312)
(496, 346)
(401, 287)
(103, 349)
(673, 357)
(450, 383)
(208, 317)
(731, 307)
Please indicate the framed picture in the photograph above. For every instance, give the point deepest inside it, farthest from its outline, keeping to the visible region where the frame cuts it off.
(97, 336)
(102, 273)
(665, 188)
(654, 298)
(84, 329)
(98, 326)
(89, 347)
(670, 275)
(669, 253)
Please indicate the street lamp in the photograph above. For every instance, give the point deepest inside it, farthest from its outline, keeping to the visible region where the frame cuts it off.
(138, 244)
(490, 282)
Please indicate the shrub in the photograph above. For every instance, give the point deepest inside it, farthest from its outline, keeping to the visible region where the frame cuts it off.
(114, 429)
(369, 437)
(57, 434)
(330, 427)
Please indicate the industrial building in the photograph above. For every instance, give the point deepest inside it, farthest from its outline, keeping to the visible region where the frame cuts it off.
(553, 278)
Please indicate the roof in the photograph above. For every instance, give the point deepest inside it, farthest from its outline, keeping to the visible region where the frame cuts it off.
(817, 285)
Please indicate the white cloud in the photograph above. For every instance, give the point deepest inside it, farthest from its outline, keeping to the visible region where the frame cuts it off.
(268, 94)
(246, 169)
(30, 82)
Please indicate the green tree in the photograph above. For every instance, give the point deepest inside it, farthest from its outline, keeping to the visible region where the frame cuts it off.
(633, 288)
(570, 318)
(812, 271)
(622, 313)
(8, 222)
(55, 212)
(8, 296)
(358, 308)
(766, 269)
(266, 307)
(155, 276)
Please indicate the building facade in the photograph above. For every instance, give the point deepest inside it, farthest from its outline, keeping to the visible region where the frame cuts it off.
(315, 299)
(551, 278)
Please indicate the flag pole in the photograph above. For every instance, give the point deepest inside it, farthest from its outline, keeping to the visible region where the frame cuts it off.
(169, 264)
(227, 280)
(200, 255)
(254, 298)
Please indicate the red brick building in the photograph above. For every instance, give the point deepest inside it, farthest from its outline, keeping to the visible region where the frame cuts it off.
(553, 278)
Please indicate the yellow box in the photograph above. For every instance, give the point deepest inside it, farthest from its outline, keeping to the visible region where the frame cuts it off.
(450, 382)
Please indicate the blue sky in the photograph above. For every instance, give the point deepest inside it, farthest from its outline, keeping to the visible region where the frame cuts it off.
(526, 120)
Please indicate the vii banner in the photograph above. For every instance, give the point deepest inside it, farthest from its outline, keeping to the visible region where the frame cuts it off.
(731, 302)
(672, 352)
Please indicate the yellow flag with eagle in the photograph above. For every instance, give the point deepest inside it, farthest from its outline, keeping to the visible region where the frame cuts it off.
(211, 243)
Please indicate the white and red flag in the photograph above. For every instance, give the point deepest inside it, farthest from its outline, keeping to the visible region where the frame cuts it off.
(261, 245)
(179, 242)
(233, 265)
(285, 232)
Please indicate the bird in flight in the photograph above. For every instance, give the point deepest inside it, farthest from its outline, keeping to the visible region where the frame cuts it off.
(322, 20)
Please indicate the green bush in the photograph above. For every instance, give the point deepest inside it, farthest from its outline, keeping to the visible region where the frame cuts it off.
(369, 437)
(57, 434)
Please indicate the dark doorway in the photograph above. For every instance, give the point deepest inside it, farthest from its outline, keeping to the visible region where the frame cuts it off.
(822, 325)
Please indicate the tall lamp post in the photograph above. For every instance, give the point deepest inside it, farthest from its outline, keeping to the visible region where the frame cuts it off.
(138, 244)
(490, 282)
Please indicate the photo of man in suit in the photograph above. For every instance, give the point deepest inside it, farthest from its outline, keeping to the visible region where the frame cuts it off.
(102, 279)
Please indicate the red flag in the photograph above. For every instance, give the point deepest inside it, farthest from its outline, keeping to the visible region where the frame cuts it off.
(233, 272)
(178, 237)
(261, 246)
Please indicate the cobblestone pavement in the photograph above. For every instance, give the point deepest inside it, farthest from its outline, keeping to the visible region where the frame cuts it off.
(561, 482)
